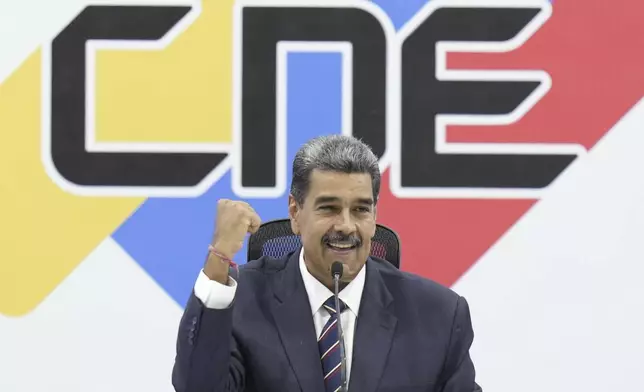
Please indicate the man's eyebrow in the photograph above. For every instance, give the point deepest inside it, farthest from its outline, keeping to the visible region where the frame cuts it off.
(334, 199)
(326, 199)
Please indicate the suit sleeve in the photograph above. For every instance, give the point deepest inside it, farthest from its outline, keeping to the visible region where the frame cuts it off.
(459, 374)
(208, 358)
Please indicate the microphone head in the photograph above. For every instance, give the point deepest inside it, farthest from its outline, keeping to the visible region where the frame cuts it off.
(336, 269)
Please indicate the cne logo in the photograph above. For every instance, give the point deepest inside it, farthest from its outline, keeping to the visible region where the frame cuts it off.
(159, 101)
(398, 96)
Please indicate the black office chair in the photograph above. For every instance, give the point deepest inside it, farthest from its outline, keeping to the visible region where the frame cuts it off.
(275, 238)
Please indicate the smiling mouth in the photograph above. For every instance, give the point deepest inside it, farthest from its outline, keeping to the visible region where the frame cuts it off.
(341, 247)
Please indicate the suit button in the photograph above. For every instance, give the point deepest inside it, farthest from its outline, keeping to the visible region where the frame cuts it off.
(191, 337)
(194, 321)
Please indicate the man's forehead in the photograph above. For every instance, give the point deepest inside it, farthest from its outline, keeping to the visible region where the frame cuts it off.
(346, 188)
(330, 198)
(327, 177)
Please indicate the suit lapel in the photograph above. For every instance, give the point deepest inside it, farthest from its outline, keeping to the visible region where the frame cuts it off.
(294, 321)
(374, 333)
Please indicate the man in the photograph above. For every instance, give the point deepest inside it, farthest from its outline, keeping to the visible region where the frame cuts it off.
(275, 328)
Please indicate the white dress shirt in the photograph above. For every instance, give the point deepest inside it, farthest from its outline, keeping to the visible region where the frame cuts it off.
(215, 295)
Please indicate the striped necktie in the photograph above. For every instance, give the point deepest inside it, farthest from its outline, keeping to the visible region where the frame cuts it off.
(329, 344)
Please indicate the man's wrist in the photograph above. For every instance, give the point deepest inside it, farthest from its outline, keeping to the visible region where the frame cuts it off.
(221, 250)
(217, 266)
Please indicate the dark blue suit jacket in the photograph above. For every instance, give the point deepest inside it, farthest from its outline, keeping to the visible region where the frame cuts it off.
(411, 335)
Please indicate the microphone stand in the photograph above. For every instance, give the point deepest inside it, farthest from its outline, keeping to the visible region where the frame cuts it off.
(343, 363)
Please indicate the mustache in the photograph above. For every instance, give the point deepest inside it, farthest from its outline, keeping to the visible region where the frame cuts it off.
(352, 239)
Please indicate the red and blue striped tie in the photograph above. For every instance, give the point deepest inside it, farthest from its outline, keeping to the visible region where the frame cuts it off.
(329, 344)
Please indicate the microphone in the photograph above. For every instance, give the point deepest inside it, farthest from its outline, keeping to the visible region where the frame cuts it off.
(336, 271)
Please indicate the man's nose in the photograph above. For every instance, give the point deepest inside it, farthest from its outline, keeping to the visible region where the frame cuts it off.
(345, 223)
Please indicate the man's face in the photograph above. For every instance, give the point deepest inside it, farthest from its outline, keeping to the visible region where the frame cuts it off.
(336, 222)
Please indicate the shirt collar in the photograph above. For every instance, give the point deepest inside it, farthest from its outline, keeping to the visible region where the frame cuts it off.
(319, 293)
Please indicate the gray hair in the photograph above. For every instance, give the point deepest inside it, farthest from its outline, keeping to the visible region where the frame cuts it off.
(337, 153)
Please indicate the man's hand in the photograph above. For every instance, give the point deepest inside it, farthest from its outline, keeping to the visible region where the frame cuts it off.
(234, 220)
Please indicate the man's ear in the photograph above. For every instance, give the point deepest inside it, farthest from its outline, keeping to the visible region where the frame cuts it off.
(293, 214)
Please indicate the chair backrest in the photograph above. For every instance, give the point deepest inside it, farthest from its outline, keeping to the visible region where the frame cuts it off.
(275, 238)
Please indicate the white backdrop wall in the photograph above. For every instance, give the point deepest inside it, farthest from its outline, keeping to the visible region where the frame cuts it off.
(93, 279)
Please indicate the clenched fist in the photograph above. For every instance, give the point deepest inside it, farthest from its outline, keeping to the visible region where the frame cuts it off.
(234, 220)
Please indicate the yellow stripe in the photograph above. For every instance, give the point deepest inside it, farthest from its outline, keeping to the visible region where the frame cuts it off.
(182, 93)
(45, 232)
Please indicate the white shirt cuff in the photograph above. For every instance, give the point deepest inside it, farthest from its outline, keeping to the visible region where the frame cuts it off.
(213, 294)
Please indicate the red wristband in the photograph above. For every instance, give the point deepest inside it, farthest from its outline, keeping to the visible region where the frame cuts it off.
(215, 252)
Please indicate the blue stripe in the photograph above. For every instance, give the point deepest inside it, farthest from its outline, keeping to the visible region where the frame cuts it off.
(169, 237)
